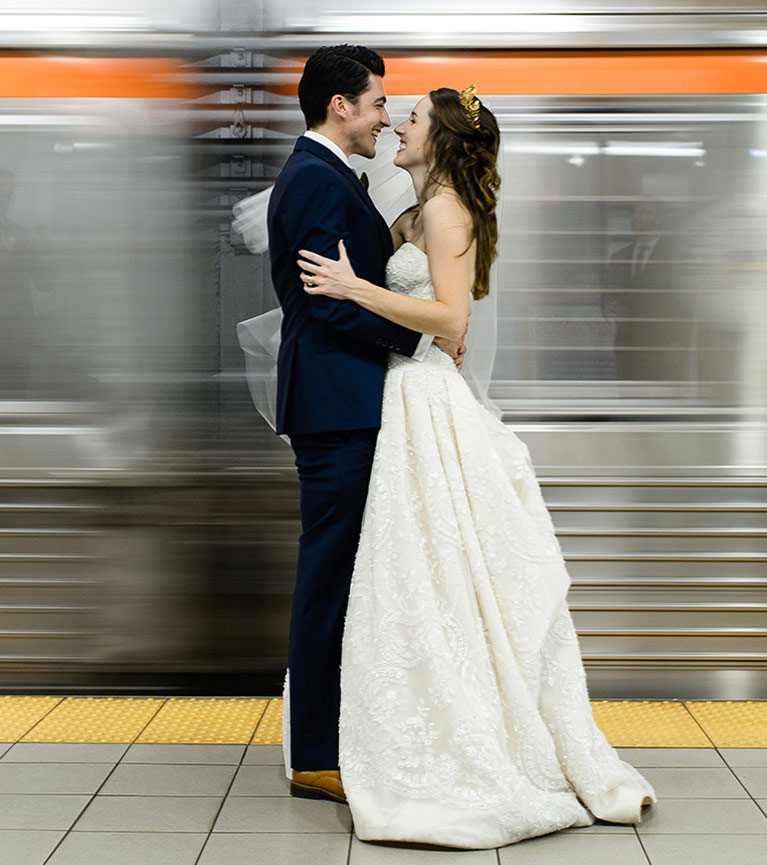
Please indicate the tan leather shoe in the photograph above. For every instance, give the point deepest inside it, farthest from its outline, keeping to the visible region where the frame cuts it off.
(322, 784)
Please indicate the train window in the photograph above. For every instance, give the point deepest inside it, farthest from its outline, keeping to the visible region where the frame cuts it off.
(630, 257)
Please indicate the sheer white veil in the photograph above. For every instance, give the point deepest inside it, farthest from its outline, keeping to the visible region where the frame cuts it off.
(250, 220)
(259, 337)
(392, 193)
(259, 340)
(482, 338)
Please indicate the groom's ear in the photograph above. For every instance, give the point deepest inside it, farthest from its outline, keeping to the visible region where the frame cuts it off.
(338, 105)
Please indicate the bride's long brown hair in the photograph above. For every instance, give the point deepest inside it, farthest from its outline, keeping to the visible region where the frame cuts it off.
(465, 157)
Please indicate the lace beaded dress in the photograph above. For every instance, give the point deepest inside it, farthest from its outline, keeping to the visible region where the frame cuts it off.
(465, 718)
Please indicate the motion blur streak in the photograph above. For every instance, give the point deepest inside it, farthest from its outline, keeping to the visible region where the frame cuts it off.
(103, 358)
(149, 517)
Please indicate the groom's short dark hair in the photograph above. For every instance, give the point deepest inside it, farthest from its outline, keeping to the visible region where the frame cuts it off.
(343, 69)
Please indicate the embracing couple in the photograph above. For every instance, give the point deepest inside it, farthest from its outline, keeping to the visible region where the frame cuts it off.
(429, 573)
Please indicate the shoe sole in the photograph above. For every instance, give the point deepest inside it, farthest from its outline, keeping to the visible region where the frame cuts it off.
(304, 791)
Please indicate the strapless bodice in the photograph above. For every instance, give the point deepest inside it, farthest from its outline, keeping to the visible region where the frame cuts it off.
(407, 272)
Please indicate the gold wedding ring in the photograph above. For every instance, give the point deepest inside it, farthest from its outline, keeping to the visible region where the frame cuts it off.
(310, 280)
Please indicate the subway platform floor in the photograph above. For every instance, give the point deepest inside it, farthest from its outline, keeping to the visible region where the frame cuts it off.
(200, 781)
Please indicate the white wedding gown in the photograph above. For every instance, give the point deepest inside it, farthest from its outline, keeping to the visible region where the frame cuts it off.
(465, 719)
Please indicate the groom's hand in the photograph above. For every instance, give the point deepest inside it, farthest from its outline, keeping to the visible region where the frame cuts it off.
(456, 350)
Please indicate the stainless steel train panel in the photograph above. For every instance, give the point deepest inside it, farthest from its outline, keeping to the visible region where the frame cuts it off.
(151, 519)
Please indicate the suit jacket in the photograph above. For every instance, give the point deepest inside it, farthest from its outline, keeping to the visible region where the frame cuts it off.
(651, 292)
(333, 353)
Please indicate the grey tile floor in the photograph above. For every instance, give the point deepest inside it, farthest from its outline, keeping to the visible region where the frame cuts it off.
(66, 804)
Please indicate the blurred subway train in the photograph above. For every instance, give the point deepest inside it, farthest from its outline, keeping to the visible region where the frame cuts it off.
(150, 516)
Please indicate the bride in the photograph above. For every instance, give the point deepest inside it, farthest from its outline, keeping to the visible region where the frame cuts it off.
(465, 718)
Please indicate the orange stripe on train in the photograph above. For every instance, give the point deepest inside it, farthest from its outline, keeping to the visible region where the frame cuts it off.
(577, 73)
(23, 77)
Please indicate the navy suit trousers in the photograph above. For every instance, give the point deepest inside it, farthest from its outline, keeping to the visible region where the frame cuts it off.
(334, 471)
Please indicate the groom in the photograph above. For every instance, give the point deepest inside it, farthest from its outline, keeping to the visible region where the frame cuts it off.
(331, 368)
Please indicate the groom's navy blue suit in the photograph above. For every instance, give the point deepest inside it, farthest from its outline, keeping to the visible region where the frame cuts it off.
(331, 369)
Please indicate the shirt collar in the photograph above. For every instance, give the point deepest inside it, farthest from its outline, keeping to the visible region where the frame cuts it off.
(331, 145)
(647, 244)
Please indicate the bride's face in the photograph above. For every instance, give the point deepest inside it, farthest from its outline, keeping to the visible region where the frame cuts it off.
(413, 136)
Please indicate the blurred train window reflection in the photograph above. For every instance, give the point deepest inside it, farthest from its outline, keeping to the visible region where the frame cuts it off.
(631, 256)
(103, 342)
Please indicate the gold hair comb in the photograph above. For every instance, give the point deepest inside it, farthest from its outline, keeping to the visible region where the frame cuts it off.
(471, 104)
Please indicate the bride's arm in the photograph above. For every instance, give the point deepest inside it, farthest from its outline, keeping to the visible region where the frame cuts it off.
(447, 232)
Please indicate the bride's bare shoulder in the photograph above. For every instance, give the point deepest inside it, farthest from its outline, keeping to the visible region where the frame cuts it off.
(446, 206)
(446, 215)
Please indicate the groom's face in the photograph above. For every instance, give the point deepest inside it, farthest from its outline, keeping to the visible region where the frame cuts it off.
(367, 118)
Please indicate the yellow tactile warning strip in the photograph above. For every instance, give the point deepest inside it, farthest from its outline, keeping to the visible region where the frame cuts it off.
(95, 719)
(626, 723)
(642, 724)
(201, 721)
(269, 731)
(733, 725)
(20, 714)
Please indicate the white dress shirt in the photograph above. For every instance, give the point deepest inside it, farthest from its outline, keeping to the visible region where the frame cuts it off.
(331, 145)
(642, 251)
(426, 339)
